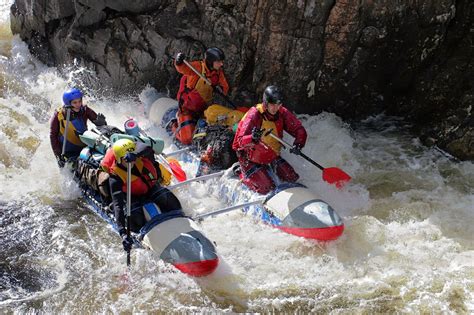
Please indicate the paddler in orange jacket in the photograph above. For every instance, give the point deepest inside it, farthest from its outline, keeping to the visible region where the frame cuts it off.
(195, 94)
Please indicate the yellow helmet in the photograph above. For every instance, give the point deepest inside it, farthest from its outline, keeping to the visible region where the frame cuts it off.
(122, 147)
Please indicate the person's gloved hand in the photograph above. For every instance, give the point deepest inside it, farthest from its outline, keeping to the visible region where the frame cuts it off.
(219, 89)
(100, 120)
(257, 134)
(127, 242)
(296, 149)
(180, 58)
(61, 160)
(130, 157)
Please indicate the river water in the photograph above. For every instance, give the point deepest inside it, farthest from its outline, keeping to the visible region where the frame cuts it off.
(408, 245)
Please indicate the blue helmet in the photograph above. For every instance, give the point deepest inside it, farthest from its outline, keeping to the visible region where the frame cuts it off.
(70, 95)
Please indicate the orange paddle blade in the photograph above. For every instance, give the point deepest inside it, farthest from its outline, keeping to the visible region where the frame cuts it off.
(336, 176)
(178, 172)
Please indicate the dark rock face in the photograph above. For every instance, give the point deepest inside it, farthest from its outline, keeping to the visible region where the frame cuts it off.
(351, 57)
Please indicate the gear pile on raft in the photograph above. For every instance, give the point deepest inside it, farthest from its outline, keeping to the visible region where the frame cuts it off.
(128, 180)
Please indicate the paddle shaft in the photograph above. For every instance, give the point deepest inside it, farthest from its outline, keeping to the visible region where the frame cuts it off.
(209, 83)
(307, 158)
(68, 118)
(175, 152)
(129, 205)
(228, 209)
(195, 179)
(162, 158)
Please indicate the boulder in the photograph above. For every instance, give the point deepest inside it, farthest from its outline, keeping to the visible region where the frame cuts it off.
(406, 58)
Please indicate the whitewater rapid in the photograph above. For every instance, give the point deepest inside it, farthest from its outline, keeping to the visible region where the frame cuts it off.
(408, 212)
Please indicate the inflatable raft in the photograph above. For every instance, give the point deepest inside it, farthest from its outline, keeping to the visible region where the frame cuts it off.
(175, 237)
(291, 207)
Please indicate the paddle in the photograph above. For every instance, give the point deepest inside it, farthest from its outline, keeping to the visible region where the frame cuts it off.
(331, 175)
(129, 206)
(201, 217)
(68, 118)
(175, 152)
(172, 166)
(195, 179)
(226, 173)
(217, 89)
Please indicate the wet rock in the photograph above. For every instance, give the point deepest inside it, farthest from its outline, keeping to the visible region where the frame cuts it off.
(407, 58)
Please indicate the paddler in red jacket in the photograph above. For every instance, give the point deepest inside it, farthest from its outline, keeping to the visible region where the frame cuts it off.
(145, 184)
(257, 151)
(195, 94)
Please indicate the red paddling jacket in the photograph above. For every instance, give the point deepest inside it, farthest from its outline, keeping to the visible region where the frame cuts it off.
(268, 148)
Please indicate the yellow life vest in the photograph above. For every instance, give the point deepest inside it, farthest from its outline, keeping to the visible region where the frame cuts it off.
(204, 89)
(72, 135)
(122, 173)
(267, 125)
(221, 115)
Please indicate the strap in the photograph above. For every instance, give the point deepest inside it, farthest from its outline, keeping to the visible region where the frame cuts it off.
(184, 124)
(137, 173)
(252, 170)
(199, 135)
(187, 122)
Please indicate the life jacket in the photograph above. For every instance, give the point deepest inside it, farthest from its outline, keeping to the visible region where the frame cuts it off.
(224, 116)
(144, 174)
(276, 127)
(195, 98)
(205, 90)
(76, 127)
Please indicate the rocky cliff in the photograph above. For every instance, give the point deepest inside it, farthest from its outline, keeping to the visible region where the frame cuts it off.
(351, 57)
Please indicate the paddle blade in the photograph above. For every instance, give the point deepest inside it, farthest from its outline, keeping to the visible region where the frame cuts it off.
(335, 176)
(178, 172)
